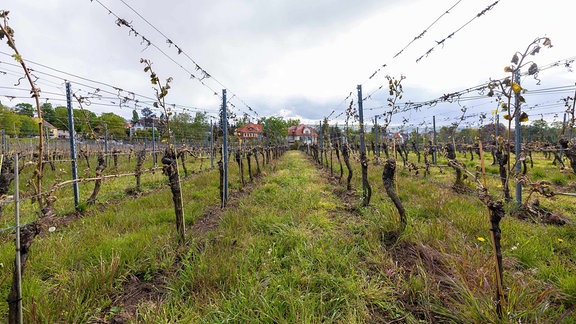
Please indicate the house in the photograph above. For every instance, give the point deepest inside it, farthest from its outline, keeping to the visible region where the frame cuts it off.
(302, 133)
(63, 133)
(51, 130)
(141, 124)
(249, 132)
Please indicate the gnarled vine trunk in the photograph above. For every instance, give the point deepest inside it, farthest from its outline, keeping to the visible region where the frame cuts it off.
(570, 151)
(365, 182)
(170, 169)
(346, 155)
(502, 158)
(248, 159)
(257, 162)
(451, 155)
(337, 149)
(497, 212)
(115, 153)
(388, 179)
(98, 183)
(141, 156)
(182, 156)
(238, 157)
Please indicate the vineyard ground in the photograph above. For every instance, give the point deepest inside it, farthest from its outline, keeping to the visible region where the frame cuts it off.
(296, 248)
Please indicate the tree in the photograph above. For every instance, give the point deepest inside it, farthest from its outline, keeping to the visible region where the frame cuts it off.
(243, 121)
(539, 131)
(84, 121)
(28, 126)
(48, 112)
(181, 125)
(487, 132)
(276, 126)
(467, 136)
(114, 123)
(445, 134)
(135, 117)
(60, 118)
(148, 117)
(9, 121)
(200, 125)
(200, 119)
(25, 109)
(293, 122)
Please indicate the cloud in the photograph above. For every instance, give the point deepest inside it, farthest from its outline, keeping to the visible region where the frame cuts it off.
(299, 58)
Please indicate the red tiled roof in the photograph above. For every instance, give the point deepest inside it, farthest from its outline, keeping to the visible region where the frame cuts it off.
(299, 131)
(250, 128)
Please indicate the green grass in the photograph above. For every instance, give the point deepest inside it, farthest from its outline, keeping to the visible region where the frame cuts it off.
(84, 264)
(291, 252)
(289, 262)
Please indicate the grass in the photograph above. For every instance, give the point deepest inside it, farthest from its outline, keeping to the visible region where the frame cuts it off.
(134, 237)
(289, 262)
(299, 248)
(451, 224)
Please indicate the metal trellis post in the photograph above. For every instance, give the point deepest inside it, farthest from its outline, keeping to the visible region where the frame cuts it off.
(3, 141)
(518, 137)
(17, 261)
(72, 145)
(267, 135)
(106, 142)
(362, 143)
(225, 144)
(434, 140)
(376, 136)
(154, 144)
(211, 144)
(321, 139)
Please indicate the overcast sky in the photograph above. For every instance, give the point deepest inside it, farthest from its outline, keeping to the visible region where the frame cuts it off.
(290, 58)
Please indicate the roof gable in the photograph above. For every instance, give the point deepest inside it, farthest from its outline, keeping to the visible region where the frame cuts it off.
(251, 128)
(302, 130)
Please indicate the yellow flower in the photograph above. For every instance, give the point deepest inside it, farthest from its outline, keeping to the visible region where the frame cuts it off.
(560, 240)
(481, 239)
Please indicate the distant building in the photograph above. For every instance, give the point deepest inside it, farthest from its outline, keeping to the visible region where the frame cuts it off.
(50, 129)
(250, 132)
(302, 133)
(399, 137)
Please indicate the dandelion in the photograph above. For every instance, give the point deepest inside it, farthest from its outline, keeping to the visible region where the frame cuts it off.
(481, 239)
